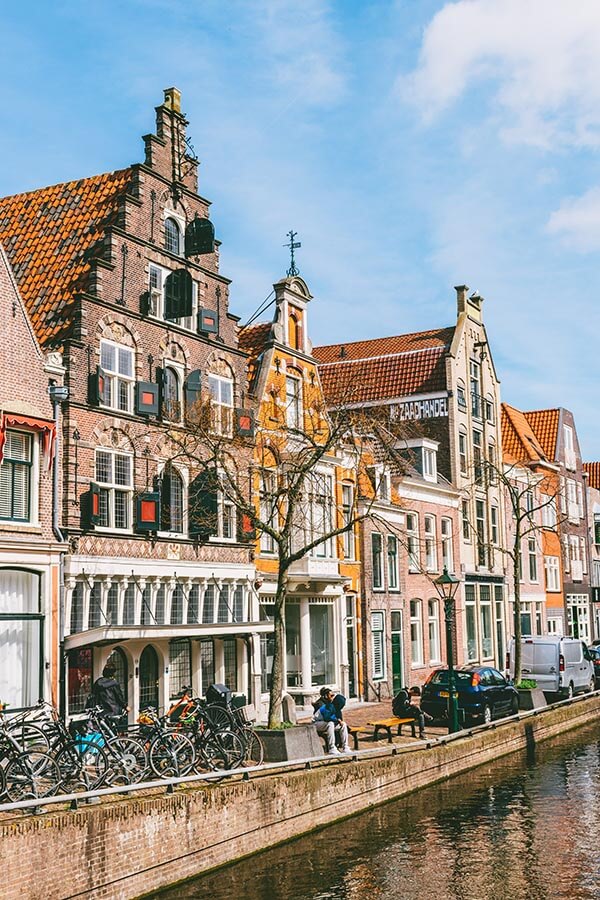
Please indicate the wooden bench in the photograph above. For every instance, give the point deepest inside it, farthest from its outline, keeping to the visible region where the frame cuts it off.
(381, 725)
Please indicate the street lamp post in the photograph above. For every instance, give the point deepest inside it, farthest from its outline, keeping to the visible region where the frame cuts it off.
(447, 586)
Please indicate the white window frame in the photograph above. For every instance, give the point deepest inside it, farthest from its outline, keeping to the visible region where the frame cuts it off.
(159, 275)
(293, 402)
(221, 413)
(116, 379)
(267, 511)
(378, 644)
(447, 546)
(321, 487)
(549, 517)
(177, 371)
(494, 524)
(33, 467)
(431, 556)
(552, 570)
(170, 217)
(412, 542)
(463, 455)
(532, 560)
(347, 514)
(377, 577)
(416, 621)
(110, 488)
(433, 630)
(392, 562)
(429, 464)
(184, 476)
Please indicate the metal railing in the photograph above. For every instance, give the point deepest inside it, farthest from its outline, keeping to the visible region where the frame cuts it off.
(168, 785)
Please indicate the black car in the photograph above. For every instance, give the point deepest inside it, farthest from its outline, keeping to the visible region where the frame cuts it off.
(483, 693)
(595, 657)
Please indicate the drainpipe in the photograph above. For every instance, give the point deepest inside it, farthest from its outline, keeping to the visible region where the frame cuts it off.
(59, 394)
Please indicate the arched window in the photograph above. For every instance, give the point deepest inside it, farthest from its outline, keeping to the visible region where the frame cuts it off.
(118, 659)
(172, 501)
(171, 395)
(172, 237)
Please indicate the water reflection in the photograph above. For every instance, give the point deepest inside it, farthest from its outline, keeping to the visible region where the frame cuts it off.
(522, 828)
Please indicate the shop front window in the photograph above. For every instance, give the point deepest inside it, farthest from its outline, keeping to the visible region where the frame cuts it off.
(21, 629)
(321, 650)
(293, 656)
(470, 623)
(80, 678)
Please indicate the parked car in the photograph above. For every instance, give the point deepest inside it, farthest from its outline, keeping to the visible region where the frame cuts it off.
(562, 666)
(595, 654)
(483, 694)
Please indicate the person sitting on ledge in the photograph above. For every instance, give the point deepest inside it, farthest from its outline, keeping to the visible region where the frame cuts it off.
(405, 705)
(329, 722)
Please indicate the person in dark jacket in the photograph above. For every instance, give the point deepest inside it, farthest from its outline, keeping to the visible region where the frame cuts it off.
(405, 705)
(329, 722)
(107, 693)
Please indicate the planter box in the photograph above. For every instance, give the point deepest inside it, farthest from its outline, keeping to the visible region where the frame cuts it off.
(299, 742)
(531, 699)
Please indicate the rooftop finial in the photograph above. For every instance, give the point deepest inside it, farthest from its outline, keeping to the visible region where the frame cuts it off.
(293, 245)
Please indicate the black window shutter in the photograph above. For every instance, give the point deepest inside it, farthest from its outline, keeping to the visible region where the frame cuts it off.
(199, 237)
(597, 532)
(208, 321)
(90, 507)
(244, 422)
(159, 378)
(147, 512)
(178, 295)
(98, 388)
(193, 394)
(202, 513)
(146, 398)
(245, 529)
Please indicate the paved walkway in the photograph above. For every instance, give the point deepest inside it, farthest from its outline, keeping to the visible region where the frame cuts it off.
(362, 713)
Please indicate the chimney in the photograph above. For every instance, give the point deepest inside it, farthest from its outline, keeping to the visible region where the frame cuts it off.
(167, 151)
(461, 297)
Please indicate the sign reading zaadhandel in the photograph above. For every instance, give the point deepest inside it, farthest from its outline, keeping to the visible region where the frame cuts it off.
(412, 410)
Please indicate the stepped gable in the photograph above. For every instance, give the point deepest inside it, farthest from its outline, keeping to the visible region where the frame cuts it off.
(593, 473)
(519, 442)
(544, 423)
(50, 236)
(385, 368)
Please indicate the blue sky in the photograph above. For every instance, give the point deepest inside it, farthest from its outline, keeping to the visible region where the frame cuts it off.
(413, 144)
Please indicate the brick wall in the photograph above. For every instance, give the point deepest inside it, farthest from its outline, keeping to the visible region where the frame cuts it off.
(136, 846)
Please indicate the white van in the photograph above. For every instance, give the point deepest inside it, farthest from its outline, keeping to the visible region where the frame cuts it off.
(560, 665)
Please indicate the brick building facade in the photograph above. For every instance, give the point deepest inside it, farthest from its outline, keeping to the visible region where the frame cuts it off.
(30, 548)
(121, 271)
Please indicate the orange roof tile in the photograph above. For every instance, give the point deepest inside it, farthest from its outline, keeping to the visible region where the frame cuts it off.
(385, 346)
(49, 236)
(544, 423)
(519, 442)
(593, 471)
(385, 368)
(253, 338)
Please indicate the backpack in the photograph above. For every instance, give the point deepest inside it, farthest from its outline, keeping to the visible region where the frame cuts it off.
(400, 704)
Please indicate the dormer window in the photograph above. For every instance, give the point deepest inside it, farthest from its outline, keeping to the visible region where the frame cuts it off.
(172, 237)
(380, 479)
(424, 452)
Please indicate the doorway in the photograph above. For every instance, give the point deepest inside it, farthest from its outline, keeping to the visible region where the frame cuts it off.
(149, 678)
(397, 655)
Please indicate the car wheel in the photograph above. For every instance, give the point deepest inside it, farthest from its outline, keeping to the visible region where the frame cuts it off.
(514, 706)
(592, 686)
(487, 714)
(570, 692)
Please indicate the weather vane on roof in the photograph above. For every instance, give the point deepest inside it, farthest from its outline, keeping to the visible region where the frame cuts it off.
(293, 245)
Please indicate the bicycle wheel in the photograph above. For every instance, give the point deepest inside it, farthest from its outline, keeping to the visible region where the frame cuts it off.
(82, 768)
(29, 737)
(31, 775)
(219, 718)
(254, 750)
(224, 750)
(171, 755)
(127, 760)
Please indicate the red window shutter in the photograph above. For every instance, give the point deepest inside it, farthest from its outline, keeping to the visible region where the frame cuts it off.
(244, 419)
(147, 512)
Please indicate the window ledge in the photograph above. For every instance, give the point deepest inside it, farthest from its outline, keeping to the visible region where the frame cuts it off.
(23, 527)
(418, 666)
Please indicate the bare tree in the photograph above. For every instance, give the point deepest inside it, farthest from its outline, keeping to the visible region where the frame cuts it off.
(528, 490)
(277, 481)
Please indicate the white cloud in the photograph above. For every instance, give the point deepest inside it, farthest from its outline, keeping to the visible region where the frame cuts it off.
(543, 56)
(577, 221)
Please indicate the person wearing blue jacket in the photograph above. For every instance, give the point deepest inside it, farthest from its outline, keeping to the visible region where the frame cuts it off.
(329, 722)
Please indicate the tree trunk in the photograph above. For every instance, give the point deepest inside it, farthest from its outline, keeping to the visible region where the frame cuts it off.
(517, 612)
(277, 685)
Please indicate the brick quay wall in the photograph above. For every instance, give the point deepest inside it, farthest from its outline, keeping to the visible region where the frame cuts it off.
(132, 847)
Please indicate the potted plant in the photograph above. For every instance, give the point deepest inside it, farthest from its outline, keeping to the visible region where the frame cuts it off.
(530, 696)
(289, 741)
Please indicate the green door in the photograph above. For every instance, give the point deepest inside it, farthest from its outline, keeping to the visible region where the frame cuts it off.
(397, 664)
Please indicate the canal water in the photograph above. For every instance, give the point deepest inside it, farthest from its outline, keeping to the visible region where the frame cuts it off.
(525, 828)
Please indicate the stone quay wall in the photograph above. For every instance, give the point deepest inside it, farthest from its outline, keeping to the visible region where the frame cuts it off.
(132, 847)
